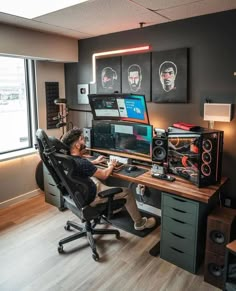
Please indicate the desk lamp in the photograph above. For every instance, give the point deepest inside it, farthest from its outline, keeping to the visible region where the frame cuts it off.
(217, 112)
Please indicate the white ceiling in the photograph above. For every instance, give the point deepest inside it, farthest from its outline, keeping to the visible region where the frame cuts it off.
(99, 17)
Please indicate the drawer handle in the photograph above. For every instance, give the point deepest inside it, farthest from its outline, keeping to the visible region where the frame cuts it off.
(51, 184)
(178, 220)
(178, 210)
(178, 199)
(176, 250)
(52, 194)
(177, 235)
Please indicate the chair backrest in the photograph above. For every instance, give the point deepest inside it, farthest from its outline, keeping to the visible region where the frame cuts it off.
(62, 168)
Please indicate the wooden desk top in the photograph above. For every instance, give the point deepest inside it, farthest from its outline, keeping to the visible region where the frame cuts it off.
(180, 186)
(232, 247)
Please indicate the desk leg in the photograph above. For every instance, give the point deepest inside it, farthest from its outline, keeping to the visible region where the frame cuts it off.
(155, 251)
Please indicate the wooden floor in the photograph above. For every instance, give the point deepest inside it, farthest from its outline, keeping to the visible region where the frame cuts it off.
(29, 261)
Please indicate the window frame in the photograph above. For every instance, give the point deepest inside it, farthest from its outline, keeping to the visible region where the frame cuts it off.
(32, 112)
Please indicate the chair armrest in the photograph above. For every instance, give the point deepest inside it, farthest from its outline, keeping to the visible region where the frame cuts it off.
(110, 192)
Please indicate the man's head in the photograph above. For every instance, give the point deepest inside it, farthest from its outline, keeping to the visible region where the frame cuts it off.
(134, 77)
(108, 76)
(167, 73)
(74, 139)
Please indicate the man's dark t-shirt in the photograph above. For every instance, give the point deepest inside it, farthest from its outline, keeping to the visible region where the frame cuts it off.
(84, 170)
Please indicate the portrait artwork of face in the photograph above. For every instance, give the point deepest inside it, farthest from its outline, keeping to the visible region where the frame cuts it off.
(108, 76)
(134, 77)
(167, 74)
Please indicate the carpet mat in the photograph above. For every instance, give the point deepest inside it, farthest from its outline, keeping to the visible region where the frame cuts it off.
(134, 174)
(123, 221)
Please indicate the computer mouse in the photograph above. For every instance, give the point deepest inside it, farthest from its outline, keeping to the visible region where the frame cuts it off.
(131, 168)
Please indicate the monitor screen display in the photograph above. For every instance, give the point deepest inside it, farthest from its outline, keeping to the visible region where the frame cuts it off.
(124, 107)
(122, 136)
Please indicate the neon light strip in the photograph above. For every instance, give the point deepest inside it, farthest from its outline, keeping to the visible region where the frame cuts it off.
(115, 52)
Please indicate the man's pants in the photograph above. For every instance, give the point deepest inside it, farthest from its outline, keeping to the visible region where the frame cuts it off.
(130, 204)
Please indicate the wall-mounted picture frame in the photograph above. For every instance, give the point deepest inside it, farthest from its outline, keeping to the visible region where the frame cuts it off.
(170, 76)
(136, 74)
(108, 75)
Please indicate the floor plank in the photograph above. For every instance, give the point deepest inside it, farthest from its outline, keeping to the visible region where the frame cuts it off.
(30, 231)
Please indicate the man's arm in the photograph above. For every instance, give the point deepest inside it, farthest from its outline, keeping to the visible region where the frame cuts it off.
(98, 160)
(103, 174)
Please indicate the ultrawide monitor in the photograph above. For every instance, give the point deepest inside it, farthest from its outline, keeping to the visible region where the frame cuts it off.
(133, 138)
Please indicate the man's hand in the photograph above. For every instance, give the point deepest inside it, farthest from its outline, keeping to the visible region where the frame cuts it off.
(112, 162)
(99, 159)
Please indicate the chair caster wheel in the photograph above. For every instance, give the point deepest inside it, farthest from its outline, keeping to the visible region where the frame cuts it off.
(95, 256)
(67, 227)
(60, 249)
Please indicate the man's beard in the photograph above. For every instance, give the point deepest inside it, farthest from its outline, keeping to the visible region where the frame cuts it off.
(82, 147)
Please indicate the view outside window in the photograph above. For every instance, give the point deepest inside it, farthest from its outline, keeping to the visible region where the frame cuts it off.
(14, 116)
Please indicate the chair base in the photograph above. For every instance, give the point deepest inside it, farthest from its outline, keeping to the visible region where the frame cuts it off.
(85, 231)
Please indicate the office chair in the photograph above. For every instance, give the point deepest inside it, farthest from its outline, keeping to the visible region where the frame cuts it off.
(74, 190)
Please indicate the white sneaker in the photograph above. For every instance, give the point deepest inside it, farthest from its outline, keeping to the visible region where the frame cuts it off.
(146, 223)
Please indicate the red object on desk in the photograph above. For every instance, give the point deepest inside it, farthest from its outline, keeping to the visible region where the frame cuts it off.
(186, 126)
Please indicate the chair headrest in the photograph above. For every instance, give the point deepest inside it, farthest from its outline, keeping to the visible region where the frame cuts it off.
(59, 146)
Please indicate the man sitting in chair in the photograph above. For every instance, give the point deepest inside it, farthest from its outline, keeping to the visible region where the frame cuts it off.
(74, 139)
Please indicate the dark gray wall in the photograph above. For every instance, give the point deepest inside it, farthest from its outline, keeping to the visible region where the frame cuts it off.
(211, 41)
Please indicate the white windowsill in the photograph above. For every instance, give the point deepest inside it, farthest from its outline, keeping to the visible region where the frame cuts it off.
(17, 154)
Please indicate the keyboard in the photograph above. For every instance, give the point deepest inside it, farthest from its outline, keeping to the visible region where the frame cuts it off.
(117, 168)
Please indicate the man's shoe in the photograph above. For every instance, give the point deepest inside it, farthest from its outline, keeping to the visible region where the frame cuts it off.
(146, 223)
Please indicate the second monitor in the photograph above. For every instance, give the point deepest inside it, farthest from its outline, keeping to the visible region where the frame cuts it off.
(123, 107)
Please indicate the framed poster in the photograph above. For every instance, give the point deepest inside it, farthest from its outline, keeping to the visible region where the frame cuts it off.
(170, 76)
(136, 74)
(108, 71)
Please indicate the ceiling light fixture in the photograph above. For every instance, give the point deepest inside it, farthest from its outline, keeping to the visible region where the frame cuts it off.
(31, 9)
(115, 52)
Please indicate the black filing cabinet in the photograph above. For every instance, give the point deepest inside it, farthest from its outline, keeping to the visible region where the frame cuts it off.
(183, 231)
(230, 267)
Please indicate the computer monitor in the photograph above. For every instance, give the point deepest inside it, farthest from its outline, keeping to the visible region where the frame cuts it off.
(119, 136)
(123, 107)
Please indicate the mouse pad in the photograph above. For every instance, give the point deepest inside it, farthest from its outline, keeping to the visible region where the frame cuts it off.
(133, 174)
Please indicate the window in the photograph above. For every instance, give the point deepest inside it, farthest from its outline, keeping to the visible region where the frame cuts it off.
(17, 104)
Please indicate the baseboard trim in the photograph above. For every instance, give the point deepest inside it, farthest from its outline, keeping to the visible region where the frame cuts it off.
(20, 198)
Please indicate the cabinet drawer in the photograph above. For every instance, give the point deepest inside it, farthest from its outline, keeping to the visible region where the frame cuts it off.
(179, 203)
(48, 187)
(177, 257)
(180, 242)
(179, 215)
(48, 178)
(53, 199)
(178, 227)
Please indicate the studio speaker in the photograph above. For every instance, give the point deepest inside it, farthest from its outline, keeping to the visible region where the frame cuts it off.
(87, 132)
(159, 148)
(220, 231)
